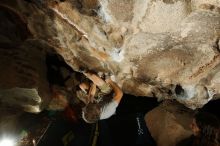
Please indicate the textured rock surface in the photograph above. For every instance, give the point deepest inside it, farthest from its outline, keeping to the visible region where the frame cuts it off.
(23, 80)
(161, 48)
(169, 123)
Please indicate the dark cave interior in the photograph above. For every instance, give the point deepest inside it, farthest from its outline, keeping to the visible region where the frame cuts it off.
(66, 127)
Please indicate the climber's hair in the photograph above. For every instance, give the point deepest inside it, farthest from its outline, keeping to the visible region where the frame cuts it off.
(209, 126)
(91, 113)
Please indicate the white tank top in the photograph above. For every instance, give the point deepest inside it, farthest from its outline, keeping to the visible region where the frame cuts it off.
(108, 110)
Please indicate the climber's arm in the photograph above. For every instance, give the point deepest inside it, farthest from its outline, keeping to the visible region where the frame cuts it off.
(117, 90)
(92, 92)
(95, 79)
(84, 86)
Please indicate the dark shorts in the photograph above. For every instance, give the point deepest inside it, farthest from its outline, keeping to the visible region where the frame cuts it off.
(143, 135)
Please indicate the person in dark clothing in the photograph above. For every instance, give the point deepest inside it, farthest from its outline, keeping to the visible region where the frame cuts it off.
(144, 137)
(127, 127)
(101, 102)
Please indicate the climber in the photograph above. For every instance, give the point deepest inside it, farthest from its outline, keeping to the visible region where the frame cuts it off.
(206, 131)
(101, 102)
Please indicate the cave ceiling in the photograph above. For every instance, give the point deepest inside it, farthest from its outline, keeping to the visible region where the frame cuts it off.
(169, 49)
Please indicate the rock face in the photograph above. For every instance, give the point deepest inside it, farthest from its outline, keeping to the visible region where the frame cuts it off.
(23, 80)
(160, 48)
(169, 123)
